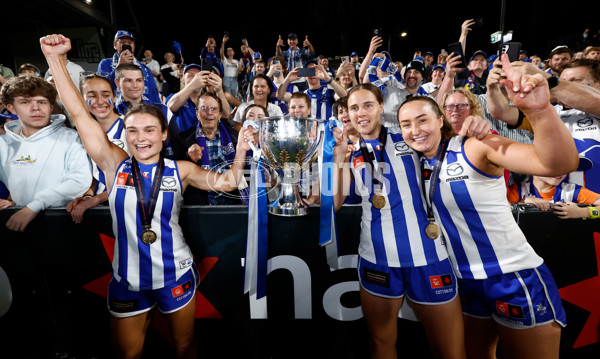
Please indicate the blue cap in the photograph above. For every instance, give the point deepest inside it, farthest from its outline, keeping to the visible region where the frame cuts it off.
(123, 33)
(428, 53)
(292, 35)
(443, 67)
(479, 52)
(257, 55)
(192, 66)
(311, 61)
(354, 53)
(419, 58)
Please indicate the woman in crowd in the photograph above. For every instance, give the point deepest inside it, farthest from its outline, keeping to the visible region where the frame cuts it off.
(145, 274)
(506, 290)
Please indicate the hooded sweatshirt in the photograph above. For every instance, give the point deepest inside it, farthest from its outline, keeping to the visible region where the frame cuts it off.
(47, 169)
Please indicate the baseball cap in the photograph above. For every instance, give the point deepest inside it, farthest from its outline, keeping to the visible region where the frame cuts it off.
(292, 35)
(428, 53)
(311, 61)
(257, 55)
(192, 66)
(443, 67)
(123, 33)
(354, 53)
(479, 52)
(416, 65)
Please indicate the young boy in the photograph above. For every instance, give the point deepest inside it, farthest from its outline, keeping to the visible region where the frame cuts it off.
(555, 193)
(42, 162)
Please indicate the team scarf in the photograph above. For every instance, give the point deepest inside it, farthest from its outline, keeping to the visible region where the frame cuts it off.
(226, 146)
(256, 262)
(564, 192)
(387, 66)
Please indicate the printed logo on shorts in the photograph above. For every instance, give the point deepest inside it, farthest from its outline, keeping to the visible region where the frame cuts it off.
(509, 310)
(441, 281)
(381, 279)
(181, 289)
(124, 305)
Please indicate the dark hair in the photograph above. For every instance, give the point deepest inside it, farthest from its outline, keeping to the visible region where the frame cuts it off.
(592, 65)
(29, 67)
(447, 129)
(269, 83)
(340, 102)
(26, 86)
(369, 87)
(252, 106)
(211, 95)
(127, 67)
(84, 80)
(143, 108)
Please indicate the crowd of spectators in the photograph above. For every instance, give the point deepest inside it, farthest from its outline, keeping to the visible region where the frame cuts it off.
(204, 128)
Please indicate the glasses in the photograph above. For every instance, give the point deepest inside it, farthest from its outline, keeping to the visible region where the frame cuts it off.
(207, 108)
(88, 74)
(457, 107)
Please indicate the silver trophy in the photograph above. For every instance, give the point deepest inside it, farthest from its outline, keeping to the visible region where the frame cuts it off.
(288, 143)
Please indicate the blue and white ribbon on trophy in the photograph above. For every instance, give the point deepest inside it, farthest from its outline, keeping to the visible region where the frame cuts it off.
(327, 224)
(255, 273)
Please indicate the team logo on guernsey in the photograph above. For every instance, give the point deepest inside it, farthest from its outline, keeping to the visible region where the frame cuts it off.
(24, 161)
(509, 310)
(169, 182)
(586, 124)
(402, 149)
(441, 281)
(358, 163)
(118, 142)
(185, 263)
(124, 179)
(181, 289)
(454, 172)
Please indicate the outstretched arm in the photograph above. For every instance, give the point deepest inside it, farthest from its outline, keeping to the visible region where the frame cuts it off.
(107, 155)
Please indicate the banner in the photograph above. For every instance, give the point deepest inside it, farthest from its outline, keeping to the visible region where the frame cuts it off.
(58, 272)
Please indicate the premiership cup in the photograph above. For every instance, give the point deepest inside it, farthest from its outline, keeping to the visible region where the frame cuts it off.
(288, 143)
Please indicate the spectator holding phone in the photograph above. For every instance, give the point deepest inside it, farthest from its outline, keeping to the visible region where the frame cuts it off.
(321, 95)
(558, 195)
(260, 91)
(124, 43)
(294, 56)
(277, 72)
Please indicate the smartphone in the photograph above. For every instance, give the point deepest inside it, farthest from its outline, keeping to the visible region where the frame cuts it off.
(207, 65)
(345, 58)
(478, 22)
(276, 62)
(126, 47)
(378, 32)
(456, 48)
(306, 72)
(512, 49)
(226, 33)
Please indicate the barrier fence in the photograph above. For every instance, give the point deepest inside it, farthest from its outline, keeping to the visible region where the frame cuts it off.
(59, 271)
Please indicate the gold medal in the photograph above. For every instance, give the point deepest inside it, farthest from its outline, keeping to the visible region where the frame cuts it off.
(148, 236)
(378, 201)
(432, 230)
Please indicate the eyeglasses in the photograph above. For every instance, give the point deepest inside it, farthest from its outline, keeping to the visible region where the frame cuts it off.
(207, 108)
(458, 107)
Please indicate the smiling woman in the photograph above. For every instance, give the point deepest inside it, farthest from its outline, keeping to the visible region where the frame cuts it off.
(144, 211)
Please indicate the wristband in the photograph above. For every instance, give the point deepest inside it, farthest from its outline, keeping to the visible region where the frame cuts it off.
(594, 214)
(552, 81)
(87, 196)
(330, 80)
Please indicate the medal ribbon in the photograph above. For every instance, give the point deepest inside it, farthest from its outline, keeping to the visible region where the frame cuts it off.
(146, 205)
(369, 156)
(435, 175)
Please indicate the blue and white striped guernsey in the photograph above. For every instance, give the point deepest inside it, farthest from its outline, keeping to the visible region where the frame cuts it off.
(321, 102)
(116, 134)
(161, 263)
(481, 234)
(395, 235)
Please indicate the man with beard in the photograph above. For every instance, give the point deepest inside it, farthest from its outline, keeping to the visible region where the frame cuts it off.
(559, 58)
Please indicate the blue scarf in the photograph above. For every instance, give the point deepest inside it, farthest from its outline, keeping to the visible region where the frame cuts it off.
(226, 146)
